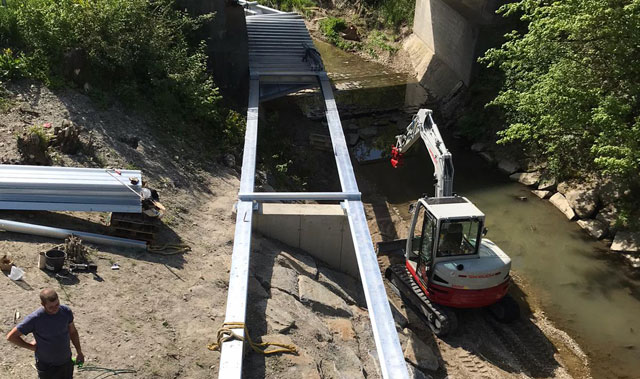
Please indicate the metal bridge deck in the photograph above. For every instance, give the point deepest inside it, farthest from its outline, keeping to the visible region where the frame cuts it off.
(282, 60)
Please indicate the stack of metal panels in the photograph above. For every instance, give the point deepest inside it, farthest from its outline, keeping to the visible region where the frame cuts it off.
(70, 189)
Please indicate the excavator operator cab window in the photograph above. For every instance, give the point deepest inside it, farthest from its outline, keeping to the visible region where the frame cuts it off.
(422, 241)
(458, 238)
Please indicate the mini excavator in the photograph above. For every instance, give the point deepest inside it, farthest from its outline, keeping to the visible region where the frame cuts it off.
(448, 264)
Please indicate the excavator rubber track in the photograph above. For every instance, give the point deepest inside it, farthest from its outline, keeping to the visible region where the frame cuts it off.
(441, 320)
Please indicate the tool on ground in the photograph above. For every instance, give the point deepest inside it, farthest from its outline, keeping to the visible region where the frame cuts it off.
(447, 262)
(86, 267)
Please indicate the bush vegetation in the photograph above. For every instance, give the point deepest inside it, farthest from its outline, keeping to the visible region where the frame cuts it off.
(138, 50)
(572, 84)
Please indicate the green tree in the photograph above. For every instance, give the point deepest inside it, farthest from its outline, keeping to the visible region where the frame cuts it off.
(571, 90)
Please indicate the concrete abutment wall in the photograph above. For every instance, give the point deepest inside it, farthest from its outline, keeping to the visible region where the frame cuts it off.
(322, 230)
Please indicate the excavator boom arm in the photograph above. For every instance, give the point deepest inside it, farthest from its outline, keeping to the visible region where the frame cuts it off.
(422, 126)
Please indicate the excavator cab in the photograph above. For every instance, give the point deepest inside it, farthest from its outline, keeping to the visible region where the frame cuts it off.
(447, 255)
(444, 229)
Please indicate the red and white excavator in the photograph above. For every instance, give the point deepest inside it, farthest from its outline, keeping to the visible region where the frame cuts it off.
(448, 263)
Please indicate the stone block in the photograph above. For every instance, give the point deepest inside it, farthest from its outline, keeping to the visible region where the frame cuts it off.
(507, 166)
(595, 228)
(526, 178)
(541, 194)
(583, 201)
(546, 184)
(487, 157)
(302, 263)
(609, 216)
(560, 202)
(628, 242)
(342, 328)
(342, 285)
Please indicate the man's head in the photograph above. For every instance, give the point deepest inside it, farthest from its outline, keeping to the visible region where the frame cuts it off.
(49, 300)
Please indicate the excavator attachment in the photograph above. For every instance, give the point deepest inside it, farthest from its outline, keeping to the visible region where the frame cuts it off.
(396, 157)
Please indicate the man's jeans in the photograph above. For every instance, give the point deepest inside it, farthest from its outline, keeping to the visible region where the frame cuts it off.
(46, 371)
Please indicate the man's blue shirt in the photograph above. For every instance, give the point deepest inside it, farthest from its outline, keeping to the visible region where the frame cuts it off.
(51, 333)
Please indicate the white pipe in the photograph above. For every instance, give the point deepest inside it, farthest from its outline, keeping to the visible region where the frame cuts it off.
(47, 231)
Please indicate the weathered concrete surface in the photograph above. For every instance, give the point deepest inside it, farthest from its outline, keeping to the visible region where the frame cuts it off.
(448, 34)
(562, 204)
(321, 299)
(626, 241)
(476, 11)
(322, 230)
(432, 73)
(595, 228)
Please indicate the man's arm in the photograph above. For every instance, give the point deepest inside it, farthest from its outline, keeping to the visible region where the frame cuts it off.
(75, 339)
(15, 337)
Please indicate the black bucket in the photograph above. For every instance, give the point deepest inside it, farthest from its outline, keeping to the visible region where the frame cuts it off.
(54, 260)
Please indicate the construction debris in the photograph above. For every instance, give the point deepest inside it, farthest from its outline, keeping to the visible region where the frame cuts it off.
(6, 263)
(76, 253)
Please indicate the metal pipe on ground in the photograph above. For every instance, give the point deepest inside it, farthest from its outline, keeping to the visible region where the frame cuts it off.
(47, 231)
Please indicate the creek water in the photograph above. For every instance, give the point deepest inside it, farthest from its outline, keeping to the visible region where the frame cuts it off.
(583, 290)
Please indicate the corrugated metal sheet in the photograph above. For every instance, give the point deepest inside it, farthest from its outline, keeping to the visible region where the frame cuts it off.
(278, 43)
(69, 189)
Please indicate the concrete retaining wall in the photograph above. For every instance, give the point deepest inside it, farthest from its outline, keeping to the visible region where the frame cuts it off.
(319, 229)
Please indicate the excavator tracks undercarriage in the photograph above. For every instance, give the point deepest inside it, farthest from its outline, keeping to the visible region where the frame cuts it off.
(442, 320)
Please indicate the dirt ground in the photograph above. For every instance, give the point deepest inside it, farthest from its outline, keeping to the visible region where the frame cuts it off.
(156, 314)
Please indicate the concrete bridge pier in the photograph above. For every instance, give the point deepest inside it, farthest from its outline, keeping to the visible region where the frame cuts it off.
(442, 46)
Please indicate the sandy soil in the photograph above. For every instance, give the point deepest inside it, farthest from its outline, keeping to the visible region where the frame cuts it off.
(156, 314)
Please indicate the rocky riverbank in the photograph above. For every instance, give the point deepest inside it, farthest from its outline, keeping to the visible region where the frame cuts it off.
(591, 202)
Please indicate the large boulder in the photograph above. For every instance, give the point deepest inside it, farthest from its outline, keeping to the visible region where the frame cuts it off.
(302, 263)
(560, 202)
(541, 194)
(342, 285)
(321, 299)
(610, 192)
(507, 166)
(526, 178)
(487, 157)
(583, 201)
(546, 183)
(609, 216)
(595, 228)
(478, 147)
(628, 242)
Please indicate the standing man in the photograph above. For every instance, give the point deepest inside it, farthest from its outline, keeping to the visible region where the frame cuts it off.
(52, 326)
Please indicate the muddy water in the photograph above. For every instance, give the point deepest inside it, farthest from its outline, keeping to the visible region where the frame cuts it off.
(583, 290)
